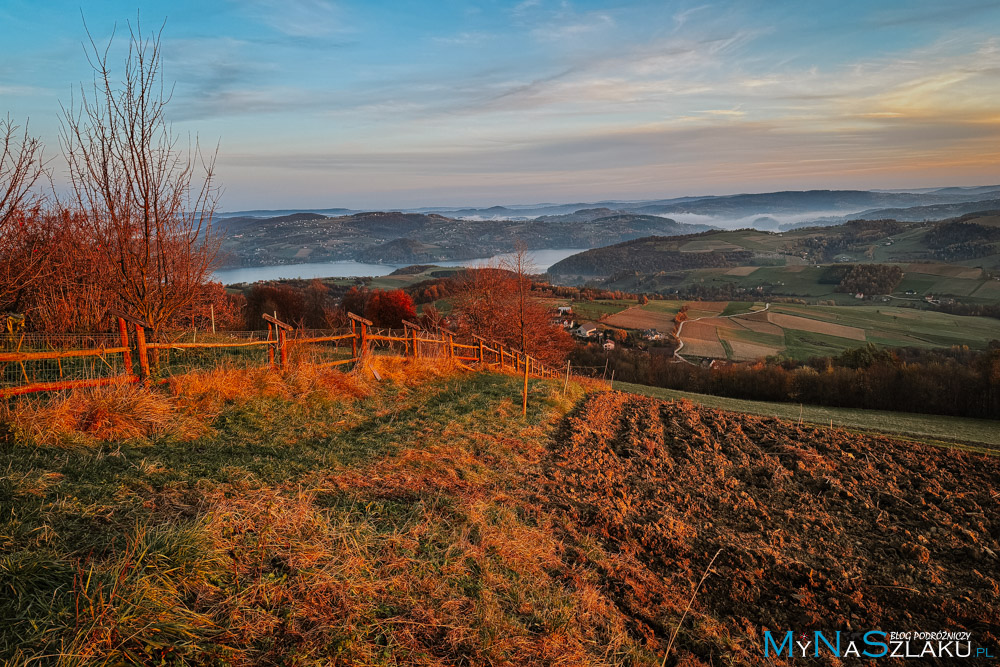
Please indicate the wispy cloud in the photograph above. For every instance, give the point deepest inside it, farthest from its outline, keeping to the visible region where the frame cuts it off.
(473, 38)
(682, 17)
(298, 18)
(916, 13)
(23, 90)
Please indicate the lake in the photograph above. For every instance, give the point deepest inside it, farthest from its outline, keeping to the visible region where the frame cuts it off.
(540, 260)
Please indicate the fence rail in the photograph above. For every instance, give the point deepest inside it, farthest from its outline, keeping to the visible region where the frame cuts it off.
(57, 365)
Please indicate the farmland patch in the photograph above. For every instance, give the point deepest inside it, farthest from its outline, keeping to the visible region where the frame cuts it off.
(815, 326)
(640, 318)
(812, 527)
(948, 270)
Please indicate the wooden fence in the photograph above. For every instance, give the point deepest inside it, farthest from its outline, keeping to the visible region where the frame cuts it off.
(139, 357)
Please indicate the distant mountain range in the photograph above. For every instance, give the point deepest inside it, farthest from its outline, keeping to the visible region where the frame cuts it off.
(419, 238)
(431, 234)
(971, 240)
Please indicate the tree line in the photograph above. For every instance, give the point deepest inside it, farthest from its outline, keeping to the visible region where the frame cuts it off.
(958, 382)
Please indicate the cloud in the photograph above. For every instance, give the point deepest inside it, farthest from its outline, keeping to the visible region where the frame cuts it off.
(297, 18)
(24, 91)
(932, 14)
(734, 113)
(553, 22)
(682, 17)
(572, 26)
(473, 38)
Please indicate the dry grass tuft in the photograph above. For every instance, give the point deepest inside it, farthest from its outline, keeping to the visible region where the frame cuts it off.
(410, 371)
(207, 392)
(117, 412)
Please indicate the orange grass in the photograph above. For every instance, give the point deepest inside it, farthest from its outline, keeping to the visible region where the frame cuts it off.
(436, 553)
(115, 412)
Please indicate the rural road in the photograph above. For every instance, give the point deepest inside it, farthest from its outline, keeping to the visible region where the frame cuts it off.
(680, 327)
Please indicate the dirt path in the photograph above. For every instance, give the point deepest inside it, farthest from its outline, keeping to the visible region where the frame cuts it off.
(680, 327)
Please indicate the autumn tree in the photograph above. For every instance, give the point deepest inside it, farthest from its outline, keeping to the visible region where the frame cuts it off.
(214, 307)
(495, 302)
(288, 303)
(389, 308)
(21, 246)
(355, 301)
(147, 201)
(431, 318)
(72, 295)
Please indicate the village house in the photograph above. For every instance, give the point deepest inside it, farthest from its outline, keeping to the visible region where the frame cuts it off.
(585, 330)
(562, 317)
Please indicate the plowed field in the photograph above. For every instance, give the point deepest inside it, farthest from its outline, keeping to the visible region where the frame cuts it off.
(817, 529)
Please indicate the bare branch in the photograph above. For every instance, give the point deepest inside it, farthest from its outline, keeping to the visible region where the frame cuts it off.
(148, 204)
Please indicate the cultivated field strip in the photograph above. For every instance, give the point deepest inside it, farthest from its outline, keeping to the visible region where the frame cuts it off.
(817, 527)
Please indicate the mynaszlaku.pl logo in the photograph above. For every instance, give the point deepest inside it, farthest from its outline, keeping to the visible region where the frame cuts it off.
(874, 644)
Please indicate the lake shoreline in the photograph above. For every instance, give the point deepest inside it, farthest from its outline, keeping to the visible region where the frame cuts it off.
(541, 260)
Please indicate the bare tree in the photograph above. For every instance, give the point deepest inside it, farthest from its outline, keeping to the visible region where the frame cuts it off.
(495, 302)
(150, 218)
(20, 168)
(521, 266)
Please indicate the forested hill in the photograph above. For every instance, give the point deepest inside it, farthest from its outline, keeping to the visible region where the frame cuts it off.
(646, 255)
(395, 237)
(972, 239)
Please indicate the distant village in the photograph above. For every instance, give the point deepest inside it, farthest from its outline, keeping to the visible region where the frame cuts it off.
(592, 332)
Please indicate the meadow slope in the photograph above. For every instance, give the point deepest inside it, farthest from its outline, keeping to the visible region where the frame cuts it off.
(316, 517)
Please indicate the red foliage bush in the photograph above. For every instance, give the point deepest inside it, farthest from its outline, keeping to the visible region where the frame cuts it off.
(389, 309)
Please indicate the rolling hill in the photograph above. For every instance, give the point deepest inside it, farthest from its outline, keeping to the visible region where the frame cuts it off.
(971, 240)
(399, 238)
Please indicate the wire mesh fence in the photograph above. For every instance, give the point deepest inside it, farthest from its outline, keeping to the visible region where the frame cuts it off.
(179, 352)
(34, 362)
(31, 358)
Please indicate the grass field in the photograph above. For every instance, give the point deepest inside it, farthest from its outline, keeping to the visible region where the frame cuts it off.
(800, 332)
(795, 331)
(399, 281)
(296, 519)
(939, 280)
(318, 517)
(595, 310)
(976, 434)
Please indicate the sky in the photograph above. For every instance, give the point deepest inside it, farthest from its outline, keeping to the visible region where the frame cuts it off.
(376, 105)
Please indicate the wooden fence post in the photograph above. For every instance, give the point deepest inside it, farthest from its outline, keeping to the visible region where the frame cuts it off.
(283, 345)
(140, 345)
(281, 340)
(270, 348)
(364, 324)
(413, 327)
(524, 404)
(481, 354)
(127, 355)
(451, 344)
(354, 340)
